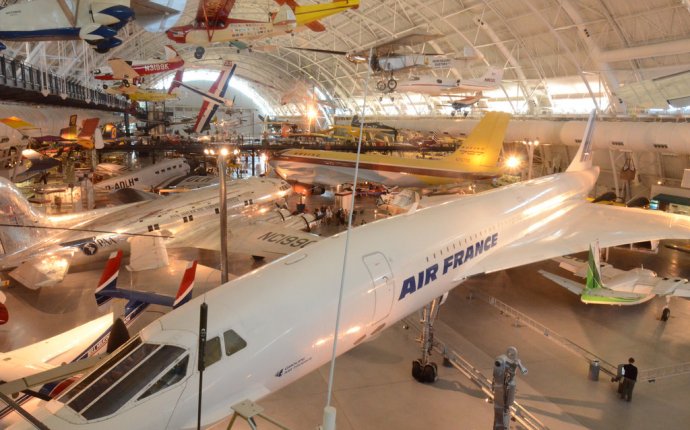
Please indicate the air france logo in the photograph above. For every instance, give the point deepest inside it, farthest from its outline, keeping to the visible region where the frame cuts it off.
(430, 274)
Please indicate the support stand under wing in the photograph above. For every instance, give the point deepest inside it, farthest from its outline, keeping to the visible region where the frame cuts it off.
(248, 410)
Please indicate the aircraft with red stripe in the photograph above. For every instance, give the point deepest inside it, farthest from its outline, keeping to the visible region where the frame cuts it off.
(214, 24)
(133, 72)
(213, 98)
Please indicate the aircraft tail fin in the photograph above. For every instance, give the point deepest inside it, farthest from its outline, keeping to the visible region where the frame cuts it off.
(309, 14)
(176, 82)
(184, 293)
(493, 76)
(583, 157)
(483, 145)
(17, 216)
(593, 269)
(108, 281)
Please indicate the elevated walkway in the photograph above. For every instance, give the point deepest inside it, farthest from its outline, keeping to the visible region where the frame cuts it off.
(26, 83)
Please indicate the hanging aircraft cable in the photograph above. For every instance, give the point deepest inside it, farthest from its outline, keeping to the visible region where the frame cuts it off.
(329, 411)
(87, 230)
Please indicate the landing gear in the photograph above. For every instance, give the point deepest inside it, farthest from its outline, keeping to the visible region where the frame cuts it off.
(423, 369)
(105, 87)
(381, 85)
(125, 82)
(666, 313)
(199, 52)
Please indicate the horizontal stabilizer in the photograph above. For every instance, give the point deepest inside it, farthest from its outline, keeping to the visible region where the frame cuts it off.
(572, 286)
(43, 271)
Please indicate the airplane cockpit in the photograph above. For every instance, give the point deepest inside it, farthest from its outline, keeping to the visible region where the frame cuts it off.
(136, 371)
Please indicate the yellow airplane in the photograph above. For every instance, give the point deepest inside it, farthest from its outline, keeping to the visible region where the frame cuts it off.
(476, 158)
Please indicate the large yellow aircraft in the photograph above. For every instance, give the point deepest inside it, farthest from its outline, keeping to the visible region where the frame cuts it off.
(476, 158)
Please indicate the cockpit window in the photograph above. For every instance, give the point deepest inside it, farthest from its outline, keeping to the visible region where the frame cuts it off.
(233, 342)
(173, 375)
(126, 388)
(110, 362)
(212, 352)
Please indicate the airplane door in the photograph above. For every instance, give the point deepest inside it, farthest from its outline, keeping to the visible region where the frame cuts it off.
(382, 282)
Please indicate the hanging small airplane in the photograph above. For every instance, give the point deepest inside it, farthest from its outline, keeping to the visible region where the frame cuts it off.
(147, 178)
(213, 98)
(476, 158)
(39, 249)
(97, 23)
(606, 285)
(461, 105)
(214, 24)
(133, 72)
(385, 58)
(434, 86)
(275, 324)
(137, 94)
(88, 136)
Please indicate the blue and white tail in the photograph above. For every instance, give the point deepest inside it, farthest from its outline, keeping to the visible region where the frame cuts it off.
(583, 158)
(108, 283)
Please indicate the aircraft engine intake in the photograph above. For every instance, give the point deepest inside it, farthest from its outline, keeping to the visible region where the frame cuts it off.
(109, 14)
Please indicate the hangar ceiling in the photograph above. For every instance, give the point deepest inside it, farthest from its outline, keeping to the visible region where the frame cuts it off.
(551, 50)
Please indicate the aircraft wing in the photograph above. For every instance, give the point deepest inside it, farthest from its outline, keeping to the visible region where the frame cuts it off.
(572, 286)
(409, 40)
(579, 268)
(122, 69)
(574, 230)
(52, 352)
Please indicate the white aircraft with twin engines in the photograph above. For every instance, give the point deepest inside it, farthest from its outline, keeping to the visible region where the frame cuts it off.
(147, 178)
(38, 249)
(607, 285)
(434, 86)
(276, 324)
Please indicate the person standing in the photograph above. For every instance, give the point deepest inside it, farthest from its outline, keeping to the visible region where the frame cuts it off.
(629, 374)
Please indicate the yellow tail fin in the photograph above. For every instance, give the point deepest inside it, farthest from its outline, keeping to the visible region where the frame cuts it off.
(310, 13)
(483, 145)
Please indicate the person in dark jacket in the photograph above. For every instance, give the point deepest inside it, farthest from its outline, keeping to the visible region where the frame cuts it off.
(629, 374)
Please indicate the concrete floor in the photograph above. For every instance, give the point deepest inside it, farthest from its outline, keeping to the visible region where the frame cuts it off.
(373, 387)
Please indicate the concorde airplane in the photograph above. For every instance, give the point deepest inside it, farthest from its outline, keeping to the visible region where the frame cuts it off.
(133, 72)
(147, 178)
(435, 86)
(39, 249)
(95, 22)
(607, 285)
(275, 324)
(213, 23)
(476, 158)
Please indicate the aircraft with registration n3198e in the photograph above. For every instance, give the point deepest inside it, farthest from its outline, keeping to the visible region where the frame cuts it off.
(476, 158)
(275, 324)
(38, 249)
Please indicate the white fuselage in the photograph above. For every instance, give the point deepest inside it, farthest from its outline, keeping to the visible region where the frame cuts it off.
(148, 178)
(244, 31)
(438, 86)
(91, 236)
(285, 311)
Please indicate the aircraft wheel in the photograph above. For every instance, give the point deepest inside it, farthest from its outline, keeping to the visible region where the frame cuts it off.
(426, 374)
(452, 113)
(665, 314)
(102, 50)
(392, 84)
(105, 87)
(199, 52)
(257, 257)
(381, 85)
(125, 83)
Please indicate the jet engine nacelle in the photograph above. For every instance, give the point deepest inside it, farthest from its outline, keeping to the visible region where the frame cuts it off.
(109, 14)
(96, 32)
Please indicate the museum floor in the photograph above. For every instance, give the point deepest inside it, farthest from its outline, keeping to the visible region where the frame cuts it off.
(373, 386)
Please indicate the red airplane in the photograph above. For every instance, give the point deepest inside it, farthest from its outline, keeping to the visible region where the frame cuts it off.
(213, 24)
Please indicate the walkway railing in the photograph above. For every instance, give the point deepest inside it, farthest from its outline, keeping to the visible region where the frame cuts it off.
(19, 75)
